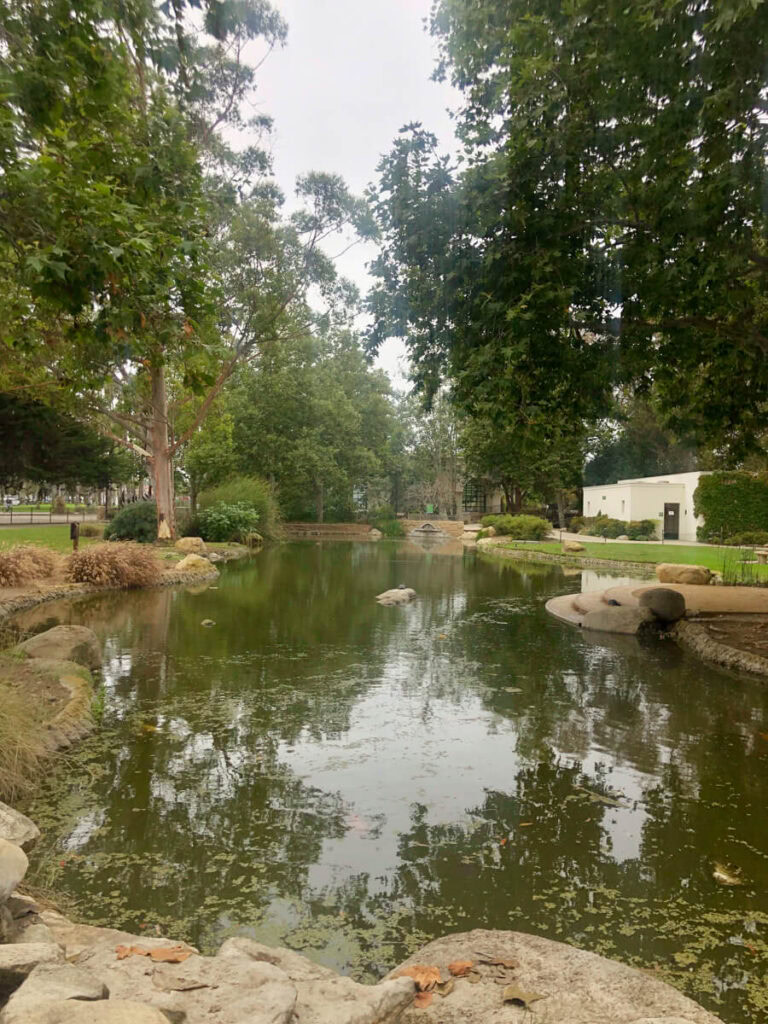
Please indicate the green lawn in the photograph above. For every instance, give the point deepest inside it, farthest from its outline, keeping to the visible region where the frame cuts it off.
(725, 560)
(56, 537)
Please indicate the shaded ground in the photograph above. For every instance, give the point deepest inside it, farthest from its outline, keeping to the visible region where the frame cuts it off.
(749, 634)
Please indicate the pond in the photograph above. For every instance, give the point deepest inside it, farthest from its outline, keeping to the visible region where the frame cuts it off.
(353, 780)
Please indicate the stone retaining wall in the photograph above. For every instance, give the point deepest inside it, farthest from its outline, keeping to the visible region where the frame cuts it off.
(491, 546)
(694, 637)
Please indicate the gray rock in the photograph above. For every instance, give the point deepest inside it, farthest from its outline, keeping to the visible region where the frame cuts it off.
(667, 605)
(65, 643)
(374, 534)
(57, 981)
(17, 827)
(195, 565)
(17, 960)
(618, 619)
(31, 928)
(398, 596)
(623, 536)
(323, 997)
(13, 867)
(578, 987)
(68, 1011)
(669, 572)
(214, 556)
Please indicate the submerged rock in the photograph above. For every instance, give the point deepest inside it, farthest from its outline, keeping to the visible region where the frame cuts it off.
(562, 984)
(400, 595)
(65, 643)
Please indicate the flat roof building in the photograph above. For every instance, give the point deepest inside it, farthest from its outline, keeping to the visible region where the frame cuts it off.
(667, 498)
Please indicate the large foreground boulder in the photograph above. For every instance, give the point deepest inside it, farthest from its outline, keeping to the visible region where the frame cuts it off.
(669, 572)
(17, 828)
(65, 643)
(191, 545)
(618, 619)
(75, 1011)
(562, 984)
(400, 595)
(196, 565)
(13, 867)
(667, 605)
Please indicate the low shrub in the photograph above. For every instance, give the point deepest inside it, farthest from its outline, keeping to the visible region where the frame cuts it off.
(91, 529)
(577, 523)
(522, 527)
(243, 490)
(489, 520)
(134, 522)
(114, 565)
(604, 526)
(25, 563)
(389, 527)
(641, 529)
(749, 538)
(226, 522)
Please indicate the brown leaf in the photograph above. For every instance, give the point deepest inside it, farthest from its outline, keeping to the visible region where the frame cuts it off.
(461, 968)
(170, 954)
(446, 987)
(514, 994)
(422, 1000)
(425, 977)
(126, 951)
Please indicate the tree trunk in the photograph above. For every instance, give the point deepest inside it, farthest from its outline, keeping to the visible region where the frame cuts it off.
(320, 497)
(162, 460)
(560, 510)
(192, 498)
(514, 497)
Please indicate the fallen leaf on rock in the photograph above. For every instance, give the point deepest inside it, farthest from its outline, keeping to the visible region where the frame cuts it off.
(422, 1000)
(514, 994)
(170, 954)
(446, 987)
(727, 876)
(126, 951)
(474, 977)
(461, 968)
(425, 977)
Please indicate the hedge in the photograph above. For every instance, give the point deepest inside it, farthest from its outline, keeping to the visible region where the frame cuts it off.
(731, 502)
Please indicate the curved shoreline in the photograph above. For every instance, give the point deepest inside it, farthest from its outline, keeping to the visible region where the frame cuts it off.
(491, 546)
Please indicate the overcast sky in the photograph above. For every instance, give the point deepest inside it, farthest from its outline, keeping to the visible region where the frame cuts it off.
(351, 74)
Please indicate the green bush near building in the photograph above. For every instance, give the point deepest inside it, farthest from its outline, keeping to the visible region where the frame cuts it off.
(731, 503)
(518, 527)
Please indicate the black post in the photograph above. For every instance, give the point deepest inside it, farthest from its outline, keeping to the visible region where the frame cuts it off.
(74, 535)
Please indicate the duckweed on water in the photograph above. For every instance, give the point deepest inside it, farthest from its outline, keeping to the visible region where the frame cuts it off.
(354, 781)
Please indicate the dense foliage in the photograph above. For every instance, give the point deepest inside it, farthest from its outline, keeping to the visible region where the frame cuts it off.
(226, 522)
(136, 521)
(247, 492)
(519, 527)
(731, 503)
(605, 526)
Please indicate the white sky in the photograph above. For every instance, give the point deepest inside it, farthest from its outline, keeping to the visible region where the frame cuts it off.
(352, 73)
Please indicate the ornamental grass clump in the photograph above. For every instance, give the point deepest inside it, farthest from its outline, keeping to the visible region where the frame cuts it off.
(114, 565)
(26, 563)
(22, 743)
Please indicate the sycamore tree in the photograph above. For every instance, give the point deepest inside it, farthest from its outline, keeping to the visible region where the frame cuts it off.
(143, 256)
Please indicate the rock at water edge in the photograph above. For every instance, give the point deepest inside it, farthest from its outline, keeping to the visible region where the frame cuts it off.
(65, 643)
(667, 605)
(191, 545)
(196, 564)
(17, 828)
(617, 619)
(13, 867)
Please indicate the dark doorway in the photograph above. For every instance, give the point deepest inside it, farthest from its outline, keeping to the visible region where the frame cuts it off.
(671, 521)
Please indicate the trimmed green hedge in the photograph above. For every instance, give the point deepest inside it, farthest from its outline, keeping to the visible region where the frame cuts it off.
(731, 503)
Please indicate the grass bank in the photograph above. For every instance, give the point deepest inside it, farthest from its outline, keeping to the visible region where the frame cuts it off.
(55, 537)
(728, 561)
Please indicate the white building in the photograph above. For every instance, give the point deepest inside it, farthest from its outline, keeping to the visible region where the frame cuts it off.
(668, 499)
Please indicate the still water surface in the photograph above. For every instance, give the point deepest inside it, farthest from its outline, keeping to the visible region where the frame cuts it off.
(353, 780)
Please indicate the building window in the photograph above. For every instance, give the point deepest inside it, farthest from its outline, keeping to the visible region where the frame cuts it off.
(622, 506)
(589, 505)
(474, 499)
